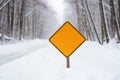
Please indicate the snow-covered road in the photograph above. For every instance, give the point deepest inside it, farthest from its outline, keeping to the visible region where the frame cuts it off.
(9, 53)
(44, 62)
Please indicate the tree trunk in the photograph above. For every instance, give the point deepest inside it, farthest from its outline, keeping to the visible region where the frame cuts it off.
(103, 23)
(21, 19)
(119, 12)
(92, 22)
(114, 25)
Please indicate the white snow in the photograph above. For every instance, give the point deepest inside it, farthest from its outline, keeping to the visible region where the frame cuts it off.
(43, 61)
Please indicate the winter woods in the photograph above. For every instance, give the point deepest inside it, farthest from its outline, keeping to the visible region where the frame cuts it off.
(97, 20)
(25, 19)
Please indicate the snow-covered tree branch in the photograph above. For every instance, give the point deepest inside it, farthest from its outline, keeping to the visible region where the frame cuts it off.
(3, 3)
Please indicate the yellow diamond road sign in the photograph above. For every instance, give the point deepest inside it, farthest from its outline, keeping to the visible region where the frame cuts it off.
(67, 39)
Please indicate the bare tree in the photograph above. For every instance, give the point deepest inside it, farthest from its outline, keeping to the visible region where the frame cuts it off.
(87, 7)
(114, 26)
(103, 23)
(119, 12)
(22, 11)
(4, 3)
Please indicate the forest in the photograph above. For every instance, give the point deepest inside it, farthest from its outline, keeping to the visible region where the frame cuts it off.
(97, 20)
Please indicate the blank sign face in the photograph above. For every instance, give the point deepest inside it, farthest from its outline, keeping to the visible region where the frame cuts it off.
(67, 39)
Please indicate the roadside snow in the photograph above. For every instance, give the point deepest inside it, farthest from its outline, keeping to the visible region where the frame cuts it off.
(10, 52)
(44, 62)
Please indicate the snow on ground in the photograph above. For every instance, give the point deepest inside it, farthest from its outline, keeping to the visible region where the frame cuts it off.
(44, 62)
(11, 52)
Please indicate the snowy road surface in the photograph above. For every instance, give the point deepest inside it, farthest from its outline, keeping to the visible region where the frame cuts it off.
(42, 61)
(9, 53)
